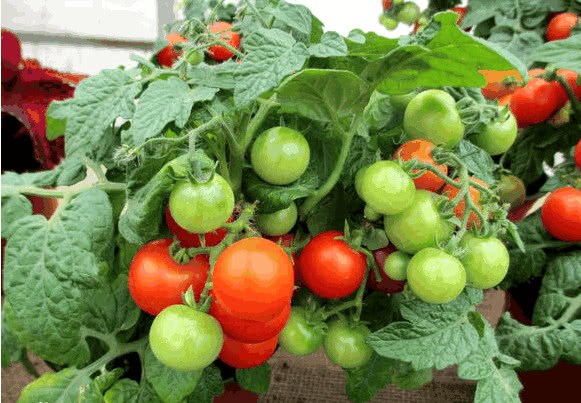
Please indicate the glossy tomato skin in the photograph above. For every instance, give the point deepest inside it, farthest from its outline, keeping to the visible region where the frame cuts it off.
(495, 83)
(168, 55)
(329, 267)
(561, 25)
(497, 136)
(287, 240)
(345, 344)
(156, 281)
(422, 151)
(219, 52)
(432, 115)
(202, 207)
(386, 187)
(192, 240)
(535, 102)
(485, 260)
(185, 339)
(578, 155)
(279, 222)
(248, 331)
(419, 226)
(451, 192)
(253, 278)
(387, 285)
(571, 77)
(396, 265)
(511, 189)
(247, 355)
(300, 336)
(280, 155)
(561, 214)
(435, 276)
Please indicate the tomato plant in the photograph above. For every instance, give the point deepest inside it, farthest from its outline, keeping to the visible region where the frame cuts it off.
(228, 37)
(396, 264)
(345, 344)
(500, 83)
(387, 285)
(157, 281)
(278, 223)
(247, 355)
(511, 190)
(452, 191)
(561, 214)
(485, 261)
(330, 267)
(497, 136)
(422, 151)
(168, 55)
(185, 339)
(561, 25)
(535, 102)
(192, 240)
(301, 335)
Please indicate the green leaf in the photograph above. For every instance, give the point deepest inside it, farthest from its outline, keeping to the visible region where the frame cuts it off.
(49, 265)
(12, 350)
(380, 309)
(549, 307)
(330, 214)
(68, 172)
(209, 386)
(502, 386)
(369, 46)
(14, 207)
(218, 76)
(363, 383)
(271, 56)
(146, 394)
(565, 53)
(332, 45)
(323, 95)
(107, 378)
(450, 58)
(478, 161)
(379, 112)
(431, 335)
(165, 101)
(405, 377)
(57, 387)
(56, 118)
(563, 275)
(99, 100)
(479, 11)
(571, 339)
(375, 238)
(170, 384)
(274, 198)
(124, 390)
(140, 222)
(255, 379)
(295, 19)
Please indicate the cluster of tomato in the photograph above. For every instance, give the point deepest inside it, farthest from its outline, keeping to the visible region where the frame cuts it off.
(396, 11)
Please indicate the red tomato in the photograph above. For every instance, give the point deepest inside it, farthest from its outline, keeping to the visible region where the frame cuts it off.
(561, 25)
(247, 355)
(329, 267)
(192, 240)
(561, 214)
(462, 11)
(451, 192)
(228, 36)
(287, 240)
(254, 279)
(11, 55)
(505, 100)
(571, 77)
(248, 331)
(156, 281)
(519, 213)
(495, 83)
(386, 285)
(422, 151)
(535, 102)
(578, 154)
(386, 4)
(168, 55)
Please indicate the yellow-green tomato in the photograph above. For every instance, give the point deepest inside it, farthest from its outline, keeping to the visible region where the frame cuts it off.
(387, 188)
(486, 261)
(301, 336)
(345, 344)
(278, 223)
(435, 276)
(396, 265)
(185, 339)
(497, 136)
(432, 115)
(280, 155)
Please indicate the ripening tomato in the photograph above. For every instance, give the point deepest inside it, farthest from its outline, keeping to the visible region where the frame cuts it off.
(497, 136)
(578, 154)
(248, 331)
(190, 239)
(422, 151)
(330, 267)
(219, 52)
(496, 83)
(561, 214)
(254, 279)
(512, 189)
(302, 334)
(345, 344)
(156, 281)
(535, 102)
(247, 355)
(451, 192)
(168, 55)
(279, 222)
(485, 260)
(561, 25)
(387, 285)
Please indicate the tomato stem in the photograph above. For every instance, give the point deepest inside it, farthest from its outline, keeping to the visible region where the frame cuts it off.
(575, 104)
(359, 296)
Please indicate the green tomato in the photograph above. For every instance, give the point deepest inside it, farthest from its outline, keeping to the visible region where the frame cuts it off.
(359, 179)
(486, 261)
(371, 214)
(396, 265)
(345, 344)
(278, 223)
(408, 13)
(419, 226)
(185, 339)
(195, 57)
(300, 336)
(389, 23)
(280, 155)
(435, 276)
(387, 188)
(497, 137)
(512, 190)
(202, 207)
(432, 115)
